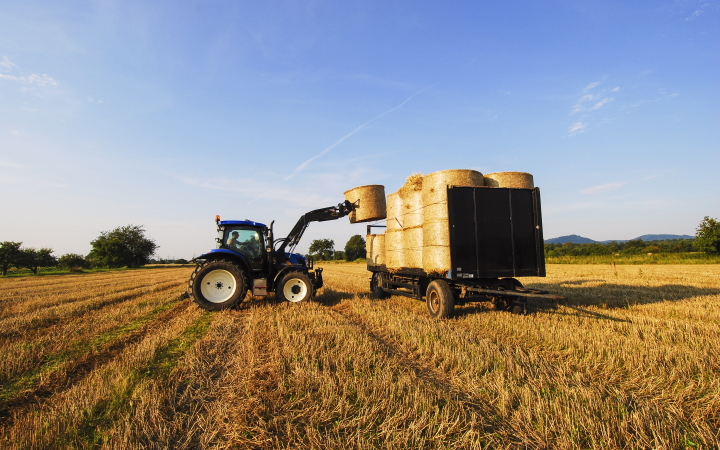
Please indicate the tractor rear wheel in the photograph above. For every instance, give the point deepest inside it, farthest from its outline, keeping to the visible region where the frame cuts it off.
(440, 299)
(295, 287)
(218, 285)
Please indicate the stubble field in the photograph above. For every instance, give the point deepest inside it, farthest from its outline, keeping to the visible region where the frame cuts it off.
(121, 360)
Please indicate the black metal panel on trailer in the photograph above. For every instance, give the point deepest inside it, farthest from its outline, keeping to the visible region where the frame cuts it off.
(495, 232)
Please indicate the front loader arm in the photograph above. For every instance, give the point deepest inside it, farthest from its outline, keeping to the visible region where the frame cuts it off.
(318, 215)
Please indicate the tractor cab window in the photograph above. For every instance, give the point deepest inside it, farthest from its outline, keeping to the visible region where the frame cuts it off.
(247, 242)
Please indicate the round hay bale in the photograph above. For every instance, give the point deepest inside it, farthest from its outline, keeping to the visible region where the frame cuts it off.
(413, 247)
(520, 180)
(412, 184)
(412, 209)
(394, 254)
(375, 249)
(394, 211)
(436, 232)
(369, 201)
(434, 186)
(436, 260)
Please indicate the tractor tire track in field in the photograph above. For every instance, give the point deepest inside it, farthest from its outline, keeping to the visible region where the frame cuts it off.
(91, 430)
(429, 374)
(30, 327)
(28, 306)
(64, 378)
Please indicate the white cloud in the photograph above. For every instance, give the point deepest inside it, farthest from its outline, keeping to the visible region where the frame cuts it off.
(601, 103)
(591, 85)
(694, 15)
(34, 78)
(615, 89)
(603, 188)
(6, 64)
(40, 80)
(577, 127)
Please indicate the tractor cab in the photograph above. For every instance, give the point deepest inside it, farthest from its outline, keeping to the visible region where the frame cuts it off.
(244, 237)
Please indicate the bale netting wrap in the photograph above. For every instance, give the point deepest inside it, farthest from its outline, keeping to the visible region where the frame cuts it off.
(394, 254)
(369, 201)
(436, 232)
(394, 211)
(520, 180)
(375, 249)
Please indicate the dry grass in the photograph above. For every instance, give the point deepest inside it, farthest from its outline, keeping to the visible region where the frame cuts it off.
(117, 360)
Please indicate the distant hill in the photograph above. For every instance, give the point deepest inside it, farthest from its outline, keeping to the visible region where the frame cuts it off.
(663, 237)
(575, 239)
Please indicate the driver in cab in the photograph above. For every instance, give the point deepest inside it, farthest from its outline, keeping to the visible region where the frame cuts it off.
(233, 241)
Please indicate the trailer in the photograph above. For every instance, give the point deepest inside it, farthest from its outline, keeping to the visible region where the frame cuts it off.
(496, 237)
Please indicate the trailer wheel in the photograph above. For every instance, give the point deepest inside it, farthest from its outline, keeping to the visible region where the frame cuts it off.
(375, 288)
(295, 287)
(440, 299)
(217, 285)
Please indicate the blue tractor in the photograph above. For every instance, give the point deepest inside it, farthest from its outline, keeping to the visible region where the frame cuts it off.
(248, 257)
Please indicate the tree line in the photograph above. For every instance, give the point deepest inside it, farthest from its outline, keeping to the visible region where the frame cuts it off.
(125, 246)
(707, 240)
(324, 249)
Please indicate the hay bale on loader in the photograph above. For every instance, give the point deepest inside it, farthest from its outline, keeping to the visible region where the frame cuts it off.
(369, 201)
(436, 232)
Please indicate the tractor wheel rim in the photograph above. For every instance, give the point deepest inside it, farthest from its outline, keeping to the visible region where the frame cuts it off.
(295, 290)
(218, 286)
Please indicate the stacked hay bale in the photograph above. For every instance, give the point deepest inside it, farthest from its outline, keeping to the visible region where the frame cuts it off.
(418, 231)
(369, 201)
(375, 249)
(521, 180)
(436, 230)
(412, 220)
(394, 243)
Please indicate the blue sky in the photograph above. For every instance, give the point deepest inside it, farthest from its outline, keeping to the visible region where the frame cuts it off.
(167, 113)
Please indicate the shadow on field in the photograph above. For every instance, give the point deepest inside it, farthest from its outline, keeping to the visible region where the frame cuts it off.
(331, 297)
(613, 296)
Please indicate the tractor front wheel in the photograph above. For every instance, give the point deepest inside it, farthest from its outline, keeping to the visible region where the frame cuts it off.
(295, 287)
(218, 285)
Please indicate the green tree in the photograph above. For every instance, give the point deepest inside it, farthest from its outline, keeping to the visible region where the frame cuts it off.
(33, 259)
(73, 260)
(123, 246)
(707, 236)
(338, 256)
(322, 248)
(9, 255)
(355, 248)
(634, 246)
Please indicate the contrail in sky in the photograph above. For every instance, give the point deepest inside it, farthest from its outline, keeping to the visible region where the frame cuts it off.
(306, 163)
(324, 152)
